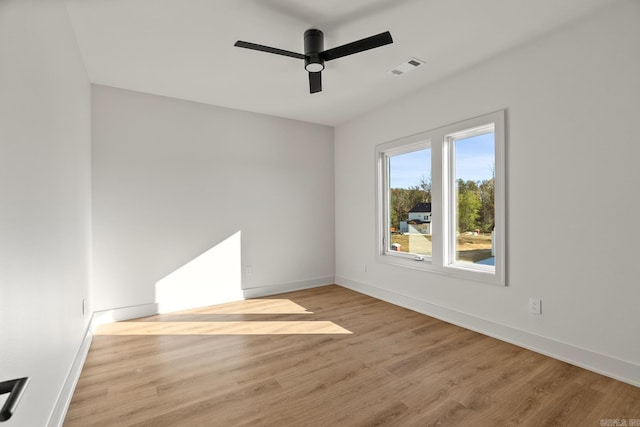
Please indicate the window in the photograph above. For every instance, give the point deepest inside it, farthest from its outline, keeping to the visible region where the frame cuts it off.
(441, 200)
(409, 197)
(472, 207)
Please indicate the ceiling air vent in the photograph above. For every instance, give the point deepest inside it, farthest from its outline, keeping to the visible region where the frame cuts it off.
(405, 67)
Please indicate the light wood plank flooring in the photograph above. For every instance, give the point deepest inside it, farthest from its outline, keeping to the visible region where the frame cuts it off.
(329, 357)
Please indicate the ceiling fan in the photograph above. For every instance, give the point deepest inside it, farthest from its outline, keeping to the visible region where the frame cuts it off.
(314, 55)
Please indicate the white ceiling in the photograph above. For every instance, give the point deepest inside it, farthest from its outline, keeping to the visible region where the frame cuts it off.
(184, 48)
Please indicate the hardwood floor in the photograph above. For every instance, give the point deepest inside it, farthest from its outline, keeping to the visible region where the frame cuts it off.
(329, 357)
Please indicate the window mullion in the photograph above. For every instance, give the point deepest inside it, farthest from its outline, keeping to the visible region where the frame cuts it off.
(437, 197)
(452, 197)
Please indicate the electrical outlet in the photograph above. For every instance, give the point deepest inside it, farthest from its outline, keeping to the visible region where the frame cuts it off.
(535, 305)
(83, 308)
(248, 270)
(365, 268)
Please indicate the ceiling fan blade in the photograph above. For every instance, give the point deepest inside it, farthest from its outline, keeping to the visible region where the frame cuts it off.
(315, 82)
(261, 48)
(357, 46)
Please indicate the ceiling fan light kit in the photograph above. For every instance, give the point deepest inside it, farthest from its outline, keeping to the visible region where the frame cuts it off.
(313, 45)
(315, 55)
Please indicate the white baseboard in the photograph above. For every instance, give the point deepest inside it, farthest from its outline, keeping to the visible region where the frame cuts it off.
(124, 313)
(602, 364)
(262, 291)
(66, 393)
(98, 318)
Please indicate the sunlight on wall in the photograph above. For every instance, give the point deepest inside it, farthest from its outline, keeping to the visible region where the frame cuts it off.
(212, 278)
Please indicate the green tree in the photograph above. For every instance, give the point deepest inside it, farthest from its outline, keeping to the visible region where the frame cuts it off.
(425, 186)
(468, 205)
(398, 206)
(402, 200)
(487, 192)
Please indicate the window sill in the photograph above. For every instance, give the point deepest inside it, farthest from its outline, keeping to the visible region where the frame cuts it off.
(459, 271)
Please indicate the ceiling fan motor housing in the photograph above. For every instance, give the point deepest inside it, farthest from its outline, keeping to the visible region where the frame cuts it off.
(313, 45)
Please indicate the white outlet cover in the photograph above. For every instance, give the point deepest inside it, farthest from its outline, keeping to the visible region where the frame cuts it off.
(535, 305)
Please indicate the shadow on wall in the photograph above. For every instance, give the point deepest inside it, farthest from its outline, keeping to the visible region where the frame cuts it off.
(213, 277)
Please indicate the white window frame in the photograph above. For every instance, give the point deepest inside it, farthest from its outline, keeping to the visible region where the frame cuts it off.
(403, 146)
(443, 201)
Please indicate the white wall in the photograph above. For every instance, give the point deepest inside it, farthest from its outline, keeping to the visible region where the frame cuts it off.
(173, 179)
(573, 103)
(44, 201)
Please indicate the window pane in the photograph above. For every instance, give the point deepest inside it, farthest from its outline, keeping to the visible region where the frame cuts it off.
(475, 198)
(409, 209)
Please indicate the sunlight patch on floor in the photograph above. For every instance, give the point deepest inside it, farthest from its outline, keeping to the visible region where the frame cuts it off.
(252, 306)
(222, 328)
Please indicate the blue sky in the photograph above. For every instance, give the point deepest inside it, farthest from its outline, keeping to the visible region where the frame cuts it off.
(474, 161)
(406, 170)
(475, 157)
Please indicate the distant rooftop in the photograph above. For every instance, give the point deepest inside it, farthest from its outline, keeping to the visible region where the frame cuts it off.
(421, 207)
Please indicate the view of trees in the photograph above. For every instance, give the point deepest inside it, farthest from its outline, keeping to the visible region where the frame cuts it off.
(475, 203)
(404, 199)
